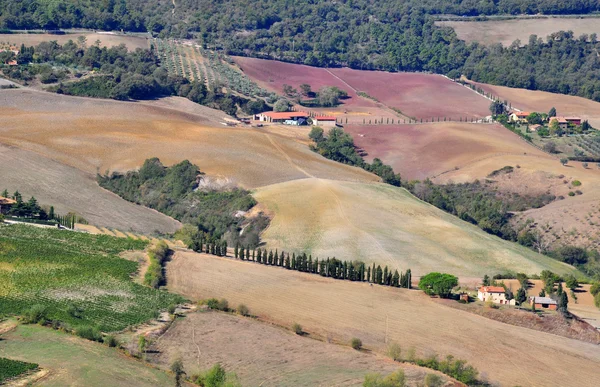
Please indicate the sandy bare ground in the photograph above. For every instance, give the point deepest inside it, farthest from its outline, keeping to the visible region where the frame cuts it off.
(98, 135)
(108, 40)
(71, 190)
(386, 225)
(262, 354)
(342, 310)
(542, 101)
(506, 32)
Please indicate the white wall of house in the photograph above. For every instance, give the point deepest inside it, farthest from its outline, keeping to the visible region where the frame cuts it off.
(496, 298)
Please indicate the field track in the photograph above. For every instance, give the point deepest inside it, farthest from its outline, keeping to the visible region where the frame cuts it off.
(342, 310)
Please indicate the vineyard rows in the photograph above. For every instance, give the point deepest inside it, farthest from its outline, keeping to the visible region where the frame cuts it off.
(216, 70)
(77, 277)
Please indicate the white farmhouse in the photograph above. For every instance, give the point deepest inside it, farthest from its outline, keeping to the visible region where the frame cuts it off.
(494, 293)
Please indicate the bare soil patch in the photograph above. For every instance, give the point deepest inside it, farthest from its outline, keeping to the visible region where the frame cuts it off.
(506, 32)
(100, 135)
(342, 310)
(427, 150)
(71, 190)
(265, 355)
(108, 40)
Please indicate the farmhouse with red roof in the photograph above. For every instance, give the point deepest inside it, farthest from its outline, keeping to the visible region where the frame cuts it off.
(290, 118)
(496, 294)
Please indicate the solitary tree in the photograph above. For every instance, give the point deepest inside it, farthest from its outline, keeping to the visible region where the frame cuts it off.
(521, 296)
(486, 280)
(177, 369)
(440, 284)
(563, 302)
(552, 112)
(564, 161)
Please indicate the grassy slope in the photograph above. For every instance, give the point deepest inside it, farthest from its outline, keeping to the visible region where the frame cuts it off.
(77, 362)
(383, 224)
(63, 270)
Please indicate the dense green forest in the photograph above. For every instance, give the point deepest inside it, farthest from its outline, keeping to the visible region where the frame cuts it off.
(175, 191)
(386, 34)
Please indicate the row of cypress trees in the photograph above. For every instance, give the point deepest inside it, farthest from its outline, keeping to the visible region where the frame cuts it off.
(331, 267)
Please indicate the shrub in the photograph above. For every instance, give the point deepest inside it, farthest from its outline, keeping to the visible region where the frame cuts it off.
(576, 183)
(394, 351)
(35, 315)
(88, 332)
(297, 328)
(243, 310)
(595, 288)
(172, 308)
(356, 344)
(223, 305)
(111, 341)
(571, 193)
(397, 379)
(433, 380)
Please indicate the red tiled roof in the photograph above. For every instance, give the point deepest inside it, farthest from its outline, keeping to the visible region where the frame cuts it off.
(285, 115)
(4, 200)
(491, 289)
(325, 118)
(522, 114)
(561, 120)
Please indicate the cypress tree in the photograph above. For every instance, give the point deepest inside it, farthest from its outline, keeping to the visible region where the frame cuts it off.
(224, 248)
(237, 250)
(385, 274)
(310, 264)
(408, 279)
(293, 261)
(281, 259)
(304, 262)
(327, 274)
(373, 274)
(343, 273)
(253, 254)
(258, 255)
(247, 253)
(369, 274)
(276, 258)
(287, 261)
(316, 266)
(396, 279)
(379, 275)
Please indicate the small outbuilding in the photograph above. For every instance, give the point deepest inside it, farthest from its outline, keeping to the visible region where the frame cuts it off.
(543, 303)
(325, 121)
(6, 204)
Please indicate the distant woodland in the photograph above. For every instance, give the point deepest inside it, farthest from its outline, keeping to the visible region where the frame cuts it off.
(385, 34)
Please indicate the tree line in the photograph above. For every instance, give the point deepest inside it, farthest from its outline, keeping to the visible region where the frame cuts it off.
(32, 211)
(361, 34)
(330, 267)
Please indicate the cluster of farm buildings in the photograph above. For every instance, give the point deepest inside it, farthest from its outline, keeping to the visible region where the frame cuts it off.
(497, 295)
(15, 51)
(296, 119)
(563, 122)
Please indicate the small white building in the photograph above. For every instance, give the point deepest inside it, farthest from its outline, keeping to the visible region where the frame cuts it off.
(324, 121)
(496, 294)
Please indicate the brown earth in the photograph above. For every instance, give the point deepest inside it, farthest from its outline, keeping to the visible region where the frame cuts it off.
(71, 190)
(427, 150)
(108, 40)
(542, 101)
(262, 354)
(506, 32)
(99, 135)
(375, 314)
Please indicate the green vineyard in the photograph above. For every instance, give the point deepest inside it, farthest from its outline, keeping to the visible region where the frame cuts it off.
(215, 70)
(74, 278)
(12, 368)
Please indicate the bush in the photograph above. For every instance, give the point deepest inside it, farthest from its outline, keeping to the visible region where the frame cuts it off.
(433, 380)
(576, 183)
(394, 351)
(397, 379)
(297, 328)
(172, 308)
(88, 332)
(111, 341)
(37, 314)
(571, 193)
(356, 344)
(215, 304)
(243, 310)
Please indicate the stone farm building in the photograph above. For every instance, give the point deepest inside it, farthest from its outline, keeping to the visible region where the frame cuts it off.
(496, 294)
(543, 303)
(324, 121)
(6, 204)
(520, 117)
(290, 118)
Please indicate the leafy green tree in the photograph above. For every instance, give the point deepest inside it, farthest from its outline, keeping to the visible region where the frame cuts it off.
(440, 284)
(571, 282)
(281, 105)
(316, 134)
(521, 296)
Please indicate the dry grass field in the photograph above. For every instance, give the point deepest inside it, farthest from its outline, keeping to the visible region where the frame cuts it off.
(108, 40)
(71, 190)
(341, 310)
(542, 101)
(100, 135)
(262, 354)
(383, 224)
(506, 32)
(427, 150)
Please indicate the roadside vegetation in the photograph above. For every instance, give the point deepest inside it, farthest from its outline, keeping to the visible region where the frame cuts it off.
(215, 214)
(32, 212)
(73, 281)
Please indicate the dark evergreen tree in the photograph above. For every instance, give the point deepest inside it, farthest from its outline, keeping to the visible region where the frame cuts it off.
(281, 259)
(237, 250)
(287, 261)
(379, 275)
(396, 279)
(369, 274)
(385, 275)
(293, 261)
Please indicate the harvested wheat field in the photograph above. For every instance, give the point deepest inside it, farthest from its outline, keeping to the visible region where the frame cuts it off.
(262, 354)
(506, 32)
(542, 101)
(386, 225)
(427, 150)
(99, 135)
(106, 39)
(375, 314)
(71, 190)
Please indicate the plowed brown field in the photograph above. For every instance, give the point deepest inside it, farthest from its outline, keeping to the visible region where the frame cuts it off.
(376, 315)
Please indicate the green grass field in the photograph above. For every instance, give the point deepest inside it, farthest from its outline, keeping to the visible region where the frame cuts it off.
(78, 278)
(13, 368)
(72, 361)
